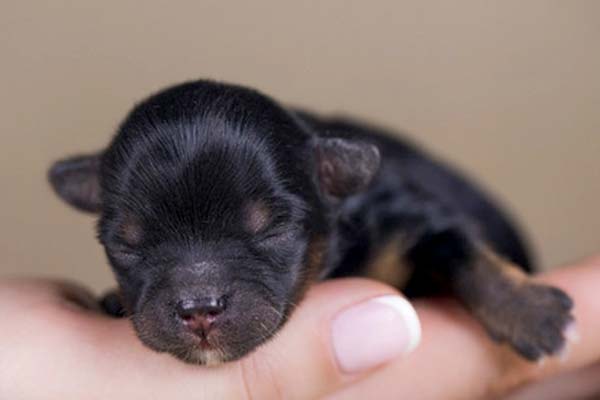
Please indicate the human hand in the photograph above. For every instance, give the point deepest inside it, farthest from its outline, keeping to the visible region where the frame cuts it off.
(336, 344)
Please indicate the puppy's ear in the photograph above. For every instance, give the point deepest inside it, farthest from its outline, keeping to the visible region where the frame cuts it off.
(345, 166)
(76, 181)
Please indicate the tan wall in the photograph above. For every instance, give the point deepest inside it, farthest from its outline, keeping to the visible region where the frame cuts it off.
(510, 90)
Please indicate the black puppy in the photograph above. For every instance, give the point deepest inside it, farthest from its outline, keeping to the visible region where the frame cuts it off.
(218, 208)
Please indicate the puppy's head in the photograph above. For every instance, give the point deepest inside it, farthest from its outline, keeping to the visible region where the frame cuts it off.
(214, 208)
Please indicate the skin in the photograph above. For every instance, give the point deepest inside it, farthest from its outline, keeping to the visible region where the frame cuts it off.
(54, 348)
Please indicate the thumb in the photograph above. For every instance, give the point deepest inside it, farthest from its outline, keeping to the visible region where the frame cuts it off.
(342, 329)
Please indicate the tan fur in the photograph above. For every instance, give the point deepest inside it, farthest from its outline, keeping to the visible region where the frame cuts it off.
(505, 267)
(257, 216)
(314, 262)
(387, 265)
(131, 231)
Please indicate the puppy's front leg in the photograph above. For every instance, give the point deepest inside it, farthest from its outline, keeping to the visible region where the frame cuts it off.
(533, 318)
(112, 304)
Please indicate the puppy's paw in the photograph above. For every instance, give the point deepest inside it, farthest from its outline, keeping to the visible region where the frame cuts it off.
(111, 304)
(536, 321)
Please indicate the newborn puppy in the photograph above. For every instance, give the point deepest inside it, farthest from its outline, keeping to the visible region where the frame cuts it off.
(218, 208)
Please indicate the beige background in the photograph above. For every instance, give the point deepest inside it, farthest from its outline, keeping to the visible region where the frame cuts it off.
(509, 90)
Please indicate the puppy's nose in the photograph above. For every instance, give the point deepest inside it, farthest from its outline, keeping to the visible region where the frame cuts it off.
(200, 314)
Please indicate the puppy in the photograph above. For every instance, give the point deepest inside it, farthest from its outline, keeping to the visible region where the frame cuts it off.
(218, 208)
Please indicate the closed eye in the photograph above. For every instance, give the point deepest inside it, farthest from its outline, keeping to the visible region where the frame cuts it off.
(278, 235)
(125, 256)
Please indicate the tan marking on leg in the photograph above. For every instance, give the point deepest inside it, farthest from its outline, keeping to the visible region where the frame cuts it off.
(505, 267)
(387, 265)
(531, 317)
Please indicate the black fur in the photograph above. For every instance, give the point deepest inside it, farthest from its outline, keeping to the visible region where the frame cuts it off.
(215, 192)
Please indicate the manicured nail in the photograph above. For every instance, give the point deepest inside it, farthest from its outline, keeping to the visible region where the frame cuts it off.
(374, 332)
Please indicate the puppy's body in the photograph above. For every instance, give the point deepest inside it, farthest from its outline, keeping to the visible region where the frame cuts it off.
(218, 208)
(408, 180)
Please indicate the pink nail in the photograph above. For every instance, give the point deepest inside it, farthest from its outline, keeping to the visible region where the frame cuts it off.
(374, 332)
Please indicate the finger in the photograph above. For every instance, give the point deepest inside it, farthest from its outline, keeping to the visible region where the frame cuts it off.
(22, 293)
(457, 360)
(337, 334)
(579, 384)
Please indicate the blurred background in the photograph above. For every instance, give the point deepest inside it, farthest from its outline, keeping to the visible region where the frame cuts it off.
(509, 91)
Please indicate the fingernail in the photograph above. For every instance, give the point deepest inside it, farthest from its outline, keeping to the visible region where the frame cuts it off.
(374, 332)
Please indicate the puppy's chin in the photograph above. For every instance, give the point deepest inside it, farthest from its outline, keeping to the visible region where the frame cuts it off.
(209, 358)
(192, 352)
(229, 342)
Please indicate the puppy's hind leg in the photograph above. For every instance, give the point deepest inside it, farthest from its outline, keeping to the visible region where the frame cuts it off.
(532, 318)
